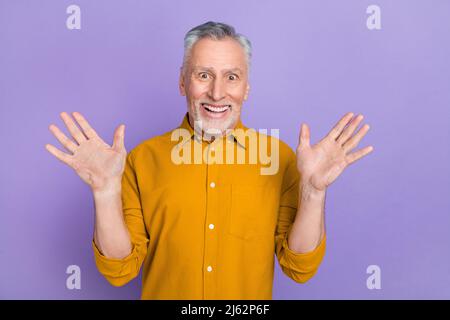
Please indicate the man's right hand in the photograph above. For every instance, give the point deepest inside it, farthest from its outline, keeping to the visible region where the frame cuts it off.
(98, 164)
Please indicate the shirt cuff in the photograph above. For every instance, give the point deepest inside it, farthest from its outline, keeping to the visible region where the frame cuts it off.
(304, 262)
(112, 267)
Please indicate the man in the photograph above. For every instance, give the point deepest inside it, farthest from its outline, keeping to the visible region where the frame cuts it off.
(209, 229)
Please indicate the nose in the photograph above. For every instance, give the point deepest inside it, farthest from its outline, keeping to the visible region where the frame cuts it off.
(217, 90)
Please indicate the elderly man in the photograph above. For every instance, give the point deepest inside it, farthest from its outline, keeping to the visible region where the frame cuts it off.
(208, 229)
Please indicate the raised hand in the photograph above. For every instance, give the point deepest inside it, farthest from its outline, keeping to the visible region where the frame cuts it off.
(98, 164)
(320, 164)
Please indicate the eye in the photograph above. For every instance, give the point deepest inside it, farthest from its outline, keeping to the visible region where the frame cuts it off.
(203, 75)
(232, 77)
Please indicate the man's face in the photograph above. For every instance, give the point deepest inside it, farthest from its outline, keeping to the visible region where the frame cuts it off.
(215, 83)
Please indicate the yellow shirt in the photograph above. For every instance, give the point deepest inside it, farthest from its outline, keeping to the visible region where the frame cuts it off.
(208, 230)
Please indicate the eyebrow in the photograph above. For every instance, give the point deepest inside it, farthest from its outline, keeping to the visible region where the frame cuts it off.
(233, 70)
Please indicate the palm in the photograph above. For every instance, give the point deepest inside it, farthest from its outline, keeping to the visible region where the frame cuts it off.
(323, 162)
(96, 162)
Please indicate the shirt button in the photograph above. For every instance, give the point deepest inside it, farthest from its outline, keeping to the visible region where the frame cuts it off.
(211, 226)
(212, 184)
(209, 268)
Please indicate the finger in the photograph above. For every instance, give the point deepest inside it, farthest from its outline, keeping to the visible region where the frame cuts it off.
(304, 136)
(66, 142)
(358, 154)
(84, 124)
(73, 129)
(348, 131)
(119, 138)
(337, 129)
(354, 141)
(64, 157)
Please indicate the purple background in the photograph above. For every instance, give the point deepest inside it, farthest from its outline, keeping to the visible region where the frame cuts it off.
(313, 62)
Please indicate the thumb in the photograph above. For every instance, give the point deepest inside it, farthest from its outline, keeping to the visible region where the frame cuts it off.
(304, 135)
(119, 138)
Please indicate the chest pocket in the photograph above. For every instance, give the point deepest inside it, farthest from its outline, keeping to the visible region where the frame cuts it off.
(253, 211)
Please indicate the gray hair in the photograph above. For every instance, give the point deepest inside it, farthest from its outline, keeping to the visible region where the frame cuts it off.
(215, 31)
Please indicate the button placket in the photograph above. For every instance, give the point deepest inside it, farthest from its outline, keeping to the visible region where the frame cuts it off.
(210, 238)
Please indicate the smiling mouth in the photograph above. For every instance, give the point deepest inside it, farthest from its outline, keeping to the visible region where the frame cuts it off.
(216, 108)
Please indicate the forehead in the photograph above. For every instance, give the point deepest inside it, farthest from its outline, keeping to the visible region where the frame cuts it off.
(218, 54)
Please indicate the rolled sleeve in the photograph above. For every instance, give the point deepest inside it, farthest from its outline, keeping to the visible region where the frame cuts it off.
(118, 272)
(300, 267)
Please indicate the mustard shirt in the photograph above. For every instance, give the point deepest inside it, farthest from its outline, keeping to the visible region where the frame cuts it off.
(207, 230)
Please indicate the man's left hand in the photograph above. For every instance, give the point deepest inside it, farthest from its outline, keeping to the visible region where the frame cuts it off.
(320, 164)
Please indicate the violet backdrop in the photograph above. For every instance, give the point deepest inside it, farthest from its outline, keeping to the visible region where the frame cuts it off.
(313, 61)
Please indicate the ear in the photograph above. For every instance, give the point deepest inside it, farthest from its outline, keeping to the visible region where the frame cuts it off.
(181, 83)
(246, 92)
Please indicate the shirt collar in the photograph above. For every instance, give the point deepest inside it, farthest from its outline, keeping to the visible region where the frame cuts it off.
(239, 139)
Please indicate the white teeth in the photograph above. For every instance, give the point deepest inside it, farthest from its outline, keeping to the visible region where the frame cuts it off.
(215, 109)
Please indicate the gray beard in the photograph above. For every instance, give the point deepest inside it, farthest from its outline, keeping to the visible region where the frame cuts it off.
(212, 128)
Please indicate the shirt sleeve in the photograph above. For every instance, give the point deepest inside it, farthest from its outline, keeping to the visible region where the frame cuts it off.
(300, 267)
(118, 272)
